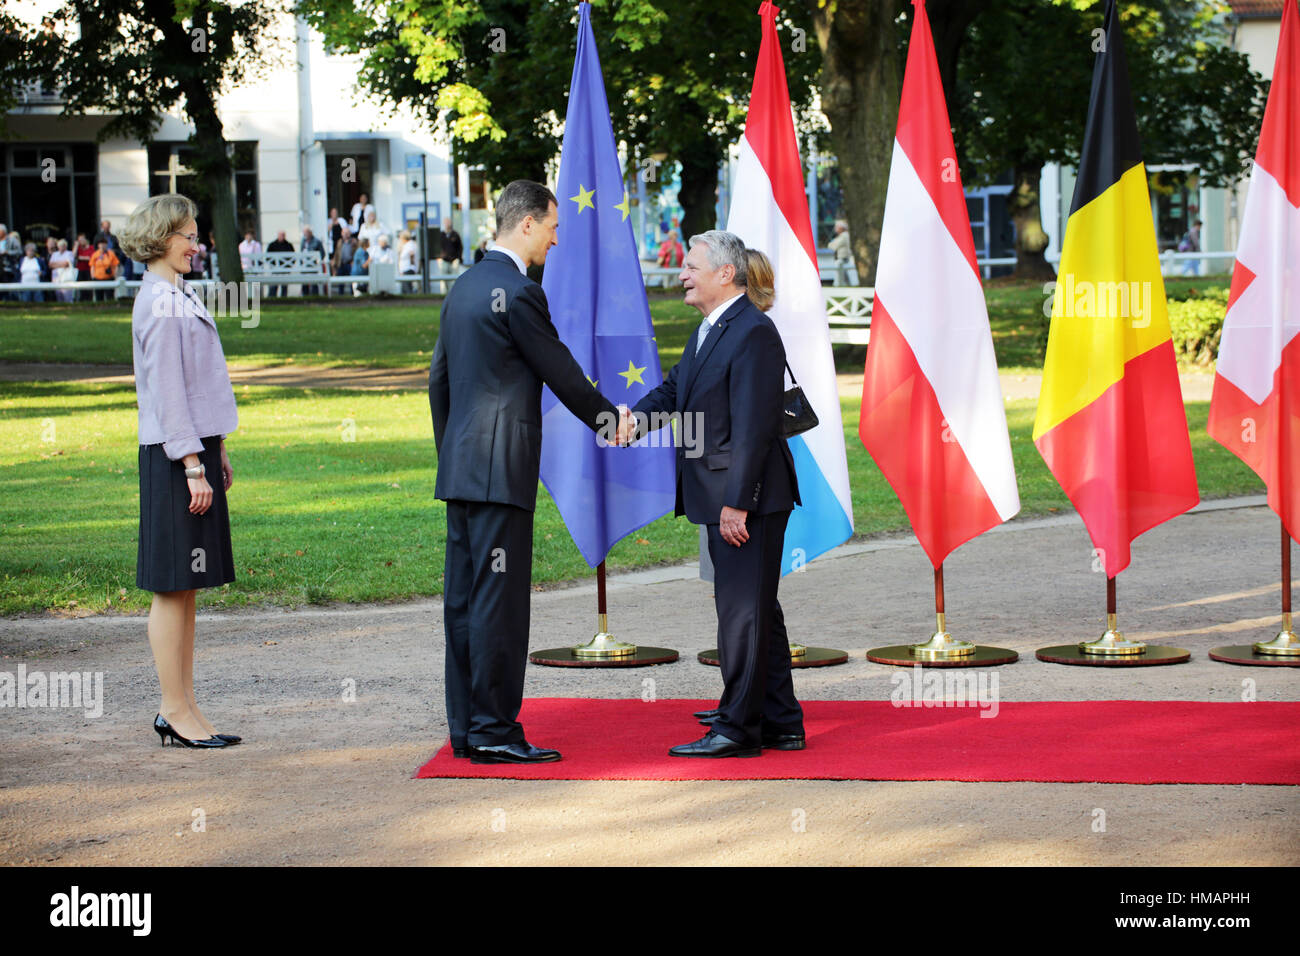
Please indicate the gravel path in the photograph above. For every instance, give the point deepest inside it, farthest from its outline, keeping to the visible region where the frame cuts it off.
(322, 780)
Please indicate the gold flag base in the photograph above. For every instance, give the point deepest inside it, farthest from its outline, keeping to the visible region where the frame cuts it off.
(1112, 643)
(1286, 644)
(942, 646)
(604, 644)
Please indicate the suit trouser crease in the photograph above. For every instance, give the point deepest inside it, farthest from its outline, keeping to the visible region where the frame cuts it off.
(486, 590)
(753, 645)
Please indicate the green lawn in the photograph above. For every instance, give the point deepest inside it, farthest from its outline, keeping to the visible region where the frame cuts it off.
(400, 333)
(317, 518)
(333, 332)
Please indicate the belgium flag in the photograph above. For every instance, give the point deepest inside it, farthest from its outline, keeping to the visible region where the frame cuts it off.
(1110, 422)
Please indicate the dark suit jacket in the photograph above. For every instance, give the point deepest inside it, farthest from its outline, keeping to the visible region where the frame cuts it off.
(735, 385)
(496, 347)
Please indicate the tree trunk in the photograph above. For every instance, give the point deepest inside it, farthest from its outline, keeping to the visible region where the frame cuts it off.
(1031, 240)
(699, 194)
(950, 21)
(860, 86)
(210, 160)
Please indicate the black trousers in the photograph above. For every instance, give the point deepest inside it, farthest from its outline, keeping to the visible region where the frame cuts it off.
(486, 586)
(753, 647)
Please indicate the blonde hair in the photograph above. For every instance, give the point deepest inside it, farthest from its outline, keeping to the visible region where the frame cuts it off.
(760, 284)
(144, 237)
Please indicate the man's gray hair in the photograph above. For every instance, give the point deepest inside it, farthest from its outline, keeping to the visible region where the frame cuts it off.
(725, 249)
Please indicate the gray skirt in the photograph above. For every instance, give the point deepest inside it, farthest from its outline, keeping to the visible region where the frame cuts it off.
(179, 551)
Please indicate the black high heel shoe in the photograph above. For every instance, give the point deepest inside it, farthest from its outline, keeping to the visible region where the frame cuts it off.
(165, 730)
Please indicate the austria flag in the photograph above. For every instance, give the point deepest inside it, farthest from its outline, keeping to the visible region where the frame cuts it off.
(1255, 409)
(932, 414)
(769, 211)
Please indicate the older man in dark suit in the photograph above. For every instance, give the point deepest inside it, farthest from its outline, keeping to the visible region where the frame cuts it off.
(742, 489)
(496, 348)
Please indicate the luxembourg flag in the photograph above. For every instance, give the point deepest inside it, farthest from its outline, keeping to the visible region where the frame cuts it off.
(1255, 408)
(769, 211)
(932, 414)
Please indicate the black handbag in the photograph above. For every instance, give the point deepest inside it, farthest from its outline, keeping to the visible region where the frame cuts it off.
(798, 416)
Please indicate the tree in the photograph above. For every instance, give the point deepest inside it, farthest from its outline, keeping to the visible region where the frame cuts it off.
(1022, 90)
(861, 82)
(134, 60)
(677, 76)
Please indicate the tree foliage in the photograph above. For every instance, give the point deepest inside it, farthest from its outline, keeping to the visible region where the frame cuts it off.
(134, 60)
(494, 76)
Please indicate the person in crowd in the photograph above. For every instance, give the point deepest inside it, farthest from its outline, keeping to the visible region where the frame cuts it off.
(104, 265)
(279, 244)
(371, 228)
(1191, 242)
(199, 261)
(29, 270)
(82, 255)
(186, 411)
(453, 249)
(311, 244)
(842, 251)
(383, 251)
(344, 251)
(670, 252)
(63, 269)
(248, 248)
(106, 232)
(482, 248)
(11, 251)
(334, 229)
(361, 263)
(360, 208)
(408, 255)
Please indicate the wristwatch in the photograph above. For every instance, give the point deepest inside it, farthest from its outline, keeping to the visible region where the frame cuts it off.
(196, 472)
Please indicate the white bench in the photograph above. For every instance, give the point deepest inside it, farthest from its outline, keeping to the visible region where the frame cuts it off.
(848, 313)
(283, 268)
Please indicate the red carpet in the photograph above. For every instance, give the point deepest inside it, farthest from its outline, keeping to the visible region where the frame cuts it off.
(1105, 741)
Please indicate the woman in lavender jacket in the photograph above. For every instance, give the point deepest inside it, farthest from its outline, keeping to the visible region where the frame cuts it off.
(187, 407)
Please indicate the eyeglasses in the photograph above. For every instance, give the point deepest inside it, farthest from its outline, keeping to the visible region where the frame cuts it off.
(193, 237)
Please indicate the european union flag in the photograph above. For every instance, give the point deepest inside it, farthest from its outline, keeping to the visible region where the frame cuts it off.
(597, 299)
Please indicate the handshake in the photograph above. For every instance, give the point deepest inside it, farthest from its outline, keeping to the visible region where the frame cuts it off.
(621, 434)
(626, 427)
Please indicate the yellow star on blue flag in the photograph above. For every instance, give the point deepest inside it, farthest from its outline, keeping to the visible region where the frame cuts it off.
(633, 374)
(583, 199)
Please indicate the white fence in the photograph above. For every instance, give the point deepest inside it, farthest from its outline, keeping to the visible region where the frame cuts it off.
(294, 271)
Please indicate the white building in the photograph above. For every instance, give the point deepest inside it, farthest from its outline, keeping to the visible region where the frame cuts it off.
(304, 140)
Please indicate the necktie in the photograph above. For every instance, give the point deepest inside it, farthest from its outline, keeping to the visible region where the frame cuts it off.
(701, 334)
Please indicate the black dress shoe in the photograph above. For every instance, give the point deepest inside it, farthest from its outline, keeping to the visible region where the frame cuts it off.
(522, 752)
(459, 752)
(228, 738)
(706, 714)
(713, 744)
(166, 732)
(784, 742)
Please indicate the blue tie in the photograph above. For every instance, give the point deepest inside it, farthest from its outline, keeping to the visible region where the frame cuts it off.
(701, 334)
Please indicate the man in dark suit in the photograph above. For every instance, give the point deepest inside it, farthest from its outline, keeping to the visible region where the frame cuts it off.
(742, 489)
(496, 347)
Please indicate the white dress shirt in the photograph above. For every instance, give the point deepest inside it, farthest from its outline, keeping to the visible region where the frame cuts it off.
(519, 262)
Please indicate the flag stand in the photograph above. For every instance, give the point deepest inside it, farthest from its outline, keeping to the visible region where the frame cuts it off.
(1284, 649)
(1113, 649)
(603, 650)
(942, 649)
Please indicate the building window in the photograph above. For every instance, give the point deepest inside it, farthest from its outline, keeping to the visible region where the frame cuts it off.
(49, 190)
(170, 172)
